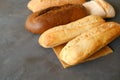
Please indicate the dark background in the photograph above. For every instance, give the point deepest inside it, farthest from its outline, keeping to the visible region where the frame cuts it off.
(22, 58)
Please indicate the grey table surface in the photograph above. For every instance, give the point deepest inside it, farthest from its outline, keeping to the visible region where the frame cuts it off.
(22, 58)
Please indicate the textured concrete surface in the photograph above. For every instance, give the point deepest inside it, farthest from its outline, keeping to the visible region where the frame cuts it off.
(21, 57)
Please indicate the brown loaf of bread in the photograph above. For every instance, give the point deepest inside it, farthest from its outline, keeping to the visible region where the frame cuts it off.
(40, 21)
(85, 45)
(36, 5)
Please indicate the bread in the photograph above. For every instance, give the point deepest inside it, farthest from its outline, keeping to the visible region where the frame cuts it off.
(64, 33)
(100, 8)
(88, 43)
(108, 8)
(40, 21)
(102, 52)
(94, 8)
(37, 5)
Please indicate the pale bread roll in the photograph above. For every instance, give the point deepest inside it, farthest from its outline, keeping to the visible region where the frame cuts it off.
(108, 8)
(37, 5)
(64, 33)
(102, 52)
(88, 43)
(94, 8)
(100, 7)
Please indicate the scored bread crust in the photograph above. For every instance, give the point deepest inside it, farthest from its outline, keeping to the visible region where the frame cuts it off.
(94, 8)
(64, 33)
(108, 8)
(36, 5)
(88, 43)
(40, 21)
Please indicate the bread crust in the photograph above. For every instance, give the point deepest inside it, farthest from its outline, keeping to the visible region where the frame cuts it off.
(108, 8)
(40, 21)
(64, 33)
(88, 43)
(102, 52)
(37, 5)
(94, 8)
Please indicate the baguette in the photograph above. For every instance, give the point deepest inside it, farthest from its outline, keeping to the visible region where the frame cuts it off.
(102, 52)
(85, 45)
(64, 33)
(40, 21)
(37, 5)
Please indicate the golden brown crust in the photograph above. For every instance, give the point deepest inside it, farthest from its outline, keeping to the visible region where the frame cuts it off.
(62, 34)
(89, 42)
(102, 52)
(57, 50)
(40, 21)
(37, 5)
